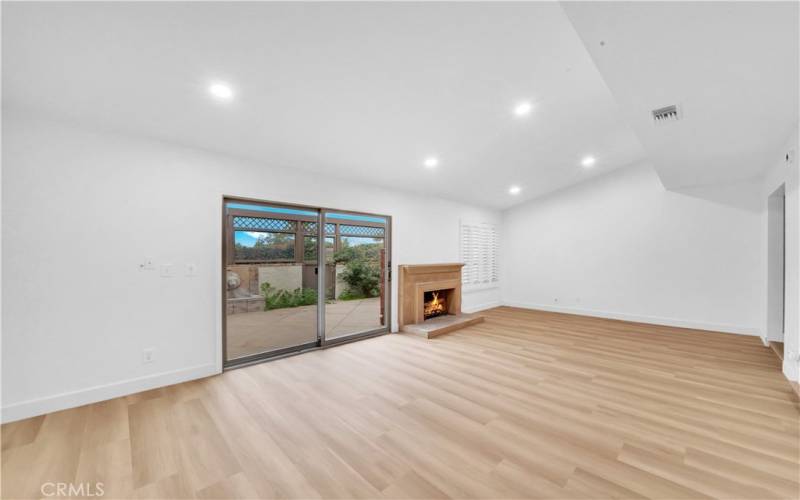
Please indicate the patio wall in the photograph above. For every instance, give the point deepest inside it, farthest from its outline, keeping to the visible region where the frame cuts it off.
(248, 275)
(281, 276)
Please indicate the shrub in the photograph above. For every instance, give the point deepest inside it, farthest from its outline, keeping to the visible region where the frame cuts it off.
(362, 278)
(347, 295)
(279, 299)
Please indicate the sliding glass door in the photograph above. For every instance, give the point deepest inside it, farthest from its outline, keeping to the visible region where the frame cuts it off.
(359, 266)
(271, 286)
(277, 258)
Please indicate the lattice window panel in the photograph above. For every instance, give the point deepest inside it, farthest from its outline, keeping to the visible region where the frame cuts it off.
(261, 224)
(369, 231)
(479, 253)
(311, 228)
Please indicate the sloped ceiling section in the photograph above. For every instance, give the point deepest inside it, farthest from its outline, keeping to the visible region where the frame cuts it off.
(358, 90)
(731, 67)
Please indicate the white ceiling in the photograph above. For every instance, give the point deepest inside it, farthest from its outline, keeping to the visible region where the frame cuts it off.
(357, 90)
(366, 91)
(732, 66)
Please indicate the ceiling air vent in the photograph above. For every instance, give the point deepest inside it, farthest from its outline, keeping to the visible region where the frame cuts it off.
(666, 114)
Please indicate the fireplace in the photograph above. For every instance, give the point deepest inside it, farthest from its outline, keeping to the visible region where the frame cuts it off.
(430, 299)
(434, 303)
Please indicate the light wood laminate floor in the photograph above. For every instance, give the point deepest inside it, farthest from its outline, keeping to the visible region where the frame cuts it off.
(526, 405)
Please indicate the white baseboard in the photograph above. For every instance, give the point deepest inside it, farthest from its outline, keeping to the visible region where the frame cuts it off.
(63, 401)
(655, 320)
(481, 307)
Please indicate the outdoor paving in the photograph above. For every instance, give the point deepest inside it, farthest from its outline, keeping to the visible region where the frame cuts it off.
(263, 331)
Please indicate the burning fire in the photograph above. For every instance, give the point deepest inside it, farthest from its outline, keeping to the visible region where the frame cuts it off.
(434, 307)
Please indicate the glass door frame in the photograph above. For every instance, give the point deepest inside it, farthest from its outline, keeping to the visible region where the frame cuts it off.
(387, 282)
(321, 342)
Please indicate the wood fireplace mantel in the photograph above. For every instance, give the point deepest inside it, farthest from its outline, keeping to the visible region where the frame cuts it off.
(432, 269)
(415, 280)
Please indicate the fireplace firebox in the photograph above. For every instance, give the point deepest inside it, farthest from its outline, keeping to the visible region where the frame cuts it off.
(435, 303)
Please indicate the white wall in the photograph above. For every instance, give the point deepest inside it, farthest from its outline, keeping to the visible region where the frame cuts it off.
(82, 209)
(787, 174)
(622, 246)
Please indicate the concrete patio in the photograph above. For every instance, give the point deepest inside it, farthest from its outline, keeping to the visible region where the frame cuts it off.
(263, 331)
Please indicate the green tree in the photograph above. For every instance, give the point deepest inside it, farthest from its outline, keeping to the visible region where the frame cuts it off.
(268, 246)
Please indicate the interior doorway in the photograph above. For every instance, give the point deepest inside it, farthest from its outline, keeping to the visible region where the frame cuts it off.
(277, 258)
(776, 259)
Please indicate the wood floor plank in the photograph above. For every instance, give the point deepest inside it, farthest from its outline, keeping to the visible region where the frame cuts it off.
(528, 404)
(21, 432)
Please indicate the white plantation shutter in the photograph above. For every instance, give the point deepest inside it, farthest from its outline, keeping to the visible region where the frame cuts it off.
(479, 254)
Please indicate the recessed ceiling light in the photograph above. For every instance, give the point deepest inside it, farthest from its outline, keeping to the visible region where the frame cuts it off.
(514, 190)
(431, 162)
(221, 91)
(523, 108)
(588, 161)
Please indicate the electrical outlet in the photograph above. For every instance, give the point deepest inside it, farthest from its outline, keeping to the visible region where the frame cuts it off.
(148, 355)
(555, 299)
